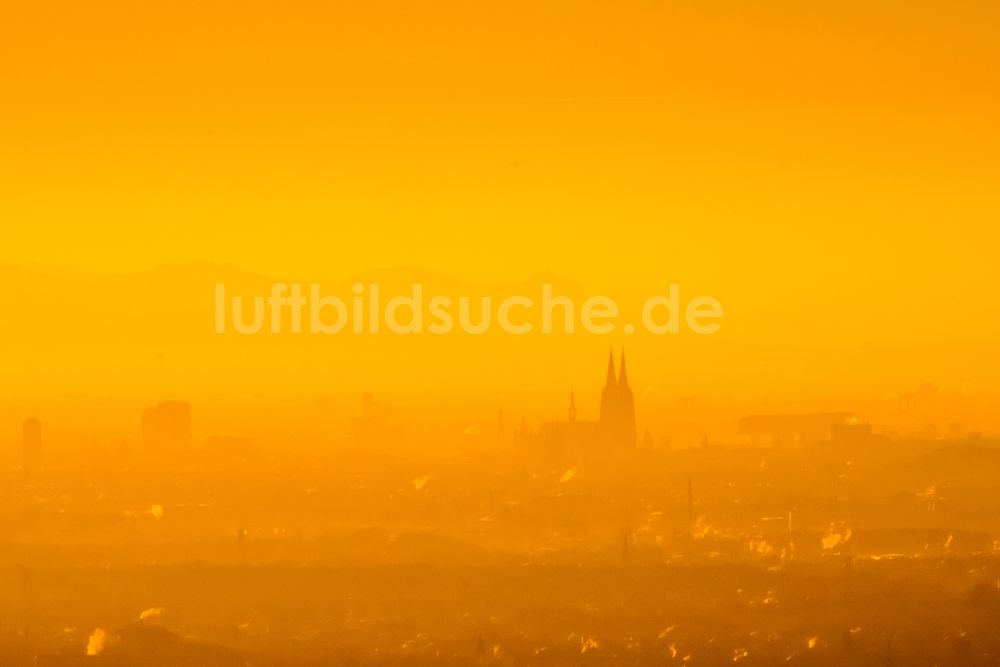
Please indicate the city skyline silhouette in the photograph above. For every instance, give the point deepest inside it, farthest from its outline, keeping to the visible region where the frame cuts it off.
(410, 333)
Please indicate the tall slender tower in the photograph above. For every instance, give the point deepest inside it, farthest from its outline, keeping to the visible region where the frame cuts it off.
(572, 407)
(627, 406)
(608, 394)
(690, 507)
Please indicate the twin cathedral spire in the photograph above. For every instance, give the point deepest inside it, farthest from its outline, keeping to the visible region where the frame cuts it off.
(617, 420)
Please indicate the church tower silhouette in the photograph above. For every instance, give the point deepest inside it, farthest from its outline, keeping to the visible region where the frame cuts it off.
(617, 405)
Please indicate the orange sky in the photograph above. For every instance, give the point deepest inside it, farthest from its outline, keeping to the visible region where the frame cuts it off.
(828, 172)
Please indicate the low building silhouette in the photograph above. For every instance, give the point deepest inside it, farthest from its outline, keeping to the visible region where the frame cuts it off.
(168, 425)
(794, 429)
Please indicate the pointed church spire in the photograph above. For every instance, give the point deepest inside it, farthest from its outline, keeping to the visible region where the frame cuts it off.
(622, 375)
(610, 379)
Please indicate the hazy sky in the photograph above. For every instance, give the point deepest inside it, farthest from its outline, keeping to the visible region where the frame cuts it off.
(827, 171)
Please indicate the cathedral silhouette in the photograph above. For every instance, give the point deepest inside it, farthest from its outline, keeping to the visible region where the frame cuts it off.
(617, 405)
(615, 428)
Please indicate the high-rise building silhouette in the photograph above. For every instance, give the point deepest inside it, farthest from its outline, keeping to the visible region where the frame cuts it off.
(31, 445)
(167, 425)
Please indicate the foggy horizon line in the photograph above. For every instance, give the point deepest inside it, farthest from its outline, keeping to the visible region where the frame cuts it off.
(304, 276)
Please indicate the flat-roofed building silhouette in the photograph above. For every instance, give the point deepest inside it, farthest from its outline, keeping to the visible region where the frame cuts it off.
(794, 429)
